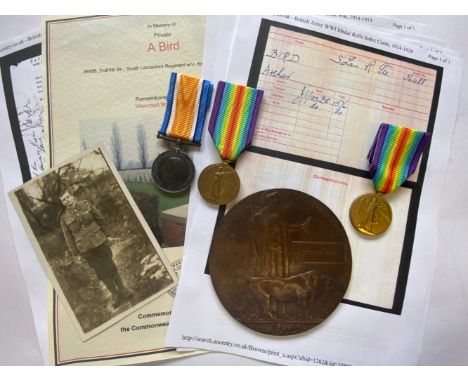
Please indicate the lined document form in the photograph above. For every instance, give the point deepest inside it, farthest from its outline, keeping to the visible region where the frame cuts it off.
(325, 100)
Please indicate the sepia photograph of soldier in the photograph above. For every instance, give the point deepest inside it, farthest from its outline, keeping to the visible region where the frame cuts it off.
(97, 250)
(83, 229)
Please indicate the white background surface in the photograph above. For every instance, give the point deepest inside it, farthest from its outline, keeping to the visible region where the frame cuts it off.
(446, 339)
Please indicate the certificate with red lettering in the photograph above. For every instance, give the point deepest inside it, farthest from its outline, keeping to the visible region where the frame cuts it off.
(106, 80)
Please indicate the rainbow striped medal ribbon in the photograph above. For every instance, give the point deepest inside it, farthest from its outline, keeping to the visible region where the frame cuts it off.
(393, 158)
(232, 124)
(188, 100)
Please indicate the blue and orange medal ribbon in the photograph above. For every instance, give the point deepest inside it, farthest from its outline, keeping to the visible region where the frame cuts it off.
(188, 101)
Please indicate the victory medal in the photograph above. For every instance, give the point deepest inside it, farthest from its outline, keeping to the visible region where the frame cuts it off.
(393, 158)
(232, 124)
(188, 100)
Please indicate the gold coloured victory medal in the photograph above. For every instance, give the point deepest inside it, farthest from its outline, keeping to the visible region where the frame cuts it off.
(219, 183)
(232, 124)
(393, 158)
(371, 214)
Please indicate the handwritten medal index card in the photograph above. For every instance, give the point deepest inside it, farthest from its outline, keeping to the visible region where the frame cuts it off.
(324, 100)
(327, 100)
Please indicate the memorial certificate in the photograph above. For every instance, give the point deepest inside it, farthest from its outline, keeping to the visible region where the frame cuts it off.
(106, 80)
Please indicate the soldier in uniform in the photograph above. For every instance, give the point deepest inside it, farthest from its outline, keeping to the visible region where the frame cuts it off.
(82, 226)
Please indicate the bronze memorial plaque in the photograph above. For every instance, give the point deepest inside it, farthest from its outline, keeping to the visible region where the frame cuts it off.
(280, 262)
